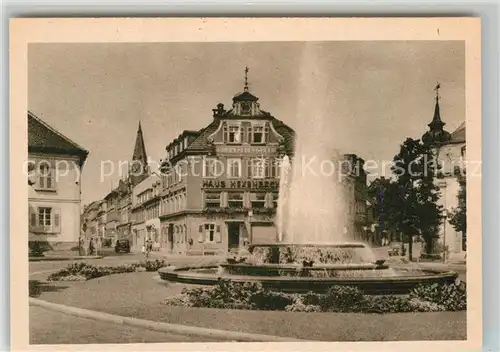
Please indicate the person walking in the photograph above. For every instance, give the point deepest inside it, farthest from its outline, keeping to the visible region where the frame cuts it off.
(91, 246)
(149, 247)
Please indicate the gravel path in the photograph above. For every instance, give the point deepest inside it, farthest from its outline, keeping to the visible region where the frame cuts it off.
(139, 295)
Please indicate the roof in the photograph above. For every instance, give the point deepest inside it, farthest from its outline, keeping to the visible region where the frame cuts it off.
(458, 136)
(245, 96)
(43, 138)
(139, 148)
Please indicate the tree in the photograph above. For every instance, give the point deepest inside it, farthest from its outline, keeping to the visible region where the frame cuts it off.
(383, 197)
(416, 197)
(458, 217)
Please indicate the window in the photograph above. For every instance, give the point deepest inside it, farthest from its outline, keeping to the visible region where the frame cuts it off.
(234, 168)
(45, 178)
(260, 134)
(44, 220)
(212, 199)
(275, 168)
(235, 200)
(209, 233)
(233, 135)
(179, 171)
(211, 167)
(258, 168)
(44, 216)
(258, 200)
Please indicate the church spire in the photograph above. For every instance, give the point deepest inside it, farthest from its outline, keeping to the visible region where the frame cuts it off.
(139, 148)
(436, 133)
(139, 166)
(437, 124)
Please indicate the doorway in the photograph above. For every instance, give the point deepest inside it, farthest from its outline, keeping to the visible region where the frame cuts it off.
(233, 234)
(171, 237)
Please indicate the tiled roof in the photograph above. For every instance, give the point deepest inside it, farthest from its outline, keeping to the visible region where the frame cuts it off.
(43, 138)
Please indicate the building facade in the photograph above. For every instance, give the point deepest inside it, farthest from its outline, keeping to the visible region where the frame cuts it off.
(118, 202)
(54, 195)
(220, 184)
(450, 151)
(146, 212)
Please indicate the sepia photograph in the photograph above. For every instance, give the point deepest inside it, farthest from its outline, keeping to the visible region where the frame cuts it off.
(251, 190)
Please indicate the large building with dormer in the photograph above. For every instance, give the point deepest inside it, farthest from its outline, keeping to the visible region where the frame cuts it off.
(450, 150)
(220, 184)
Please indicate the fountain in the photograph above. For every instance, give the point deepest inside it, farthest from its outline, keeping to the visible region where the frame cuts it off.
(313, 251)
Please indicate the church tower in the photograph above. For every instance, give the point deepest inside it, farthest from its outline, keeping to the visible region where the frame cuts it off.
(436, 135)
(139, 168)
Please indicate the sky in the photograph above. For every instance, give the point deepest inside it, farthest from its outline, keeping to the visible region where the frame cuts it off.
(369, 96)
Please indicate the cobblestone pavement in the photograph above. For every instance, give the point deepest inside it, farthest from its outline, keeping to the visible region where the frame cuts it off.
(49, 327)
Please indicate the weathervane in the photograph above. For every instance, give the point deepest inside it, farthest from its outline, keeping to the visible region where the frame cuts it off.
(438, 86)
(246, 78)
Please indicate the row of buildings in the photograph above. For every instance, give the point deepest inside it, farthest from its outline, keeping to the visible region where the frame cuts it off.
(216, 189)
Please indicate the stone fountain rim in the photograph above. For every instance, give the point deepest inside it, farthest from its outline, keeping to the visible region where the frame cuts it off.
(180, 272)
(313, 244)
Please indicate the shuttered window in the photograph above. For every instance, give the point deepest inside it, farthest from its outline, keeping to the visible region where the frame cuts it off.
(45, 220)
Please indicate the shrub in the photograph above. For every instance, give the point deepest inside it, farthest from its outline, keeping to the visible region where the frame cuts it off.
(73, 278)
(419, 305)
(452, 296)
(153, 265)
(342, 299)
(89, 271)
(386, 304)
(299, 305)
(269, 300)
(198, 297)
(230, 295)
(38, 248)
(181, 300)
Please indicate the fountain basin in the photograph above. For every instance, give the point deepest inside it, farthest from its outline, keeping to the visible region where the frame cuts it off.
(404, 280)
(311, 267)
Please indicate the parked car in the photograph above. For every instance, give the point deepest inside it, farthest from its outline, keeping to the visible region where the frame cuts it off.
(395, 249)
(122, 246)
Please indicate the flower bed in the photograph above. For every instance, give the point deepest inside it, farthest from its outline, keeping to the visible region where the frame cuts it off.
(83, 271)
(252, 296)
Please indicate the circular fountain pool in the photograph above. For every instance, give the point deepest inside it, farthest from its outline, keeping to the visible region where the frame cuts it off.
(311, 267)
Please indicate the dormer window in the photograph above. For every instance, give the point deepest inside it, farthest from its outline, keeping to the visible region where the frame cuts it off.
(246, 108)
(232, 134)
(259, 134)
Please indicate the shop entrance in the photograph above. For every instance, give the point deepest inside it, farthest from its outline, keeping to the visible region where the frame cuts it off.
(233, 235)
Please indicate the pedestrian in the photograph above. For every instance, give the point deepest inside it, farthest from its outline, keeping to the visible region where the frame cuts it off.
(143, 250)
(91, 246)
(149, 247)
